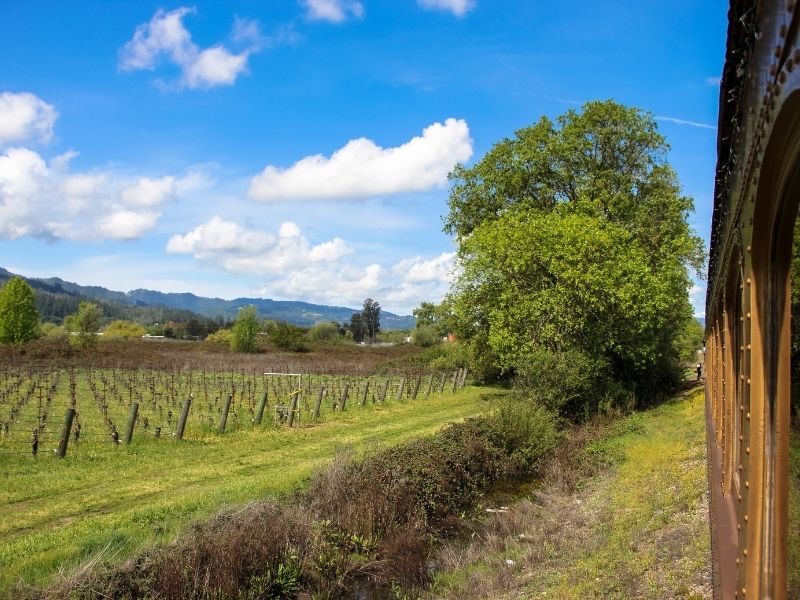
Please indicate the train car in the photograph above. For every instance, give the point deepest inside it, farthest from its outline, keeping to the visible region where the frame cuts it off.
(748, 307)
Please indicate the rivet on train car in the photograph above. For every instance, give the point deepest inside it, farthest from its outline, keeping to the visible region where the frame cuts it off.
(744, 590)
(782, 31)
(789, 65)
(778, 51)
(748, 416)
(746, 518)
(782, 77)
(741, 439)
(739, 497)
(738, 528)
(745, 553)
(772, 70)
(748, 347)
(747, 450)
(749, 249)
(748, 381)
(748, 315)
(741, 468)
(747, 484)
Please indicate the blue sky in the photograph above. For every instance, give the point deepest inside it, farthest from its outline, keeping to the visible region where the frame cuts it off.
(299, 149)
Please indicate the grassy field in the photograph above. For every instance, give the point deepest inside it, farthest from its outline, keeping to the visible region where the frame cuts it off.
(59, 513)
(638, 528)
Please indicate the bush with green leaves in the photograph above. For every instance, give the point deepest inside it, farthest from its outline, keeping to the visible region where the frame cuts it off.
(324, 333)
(123, 330)
(286, 336)
(84, 325)
(244, 334)
(426, 336)
(19, 319)
(220, 336)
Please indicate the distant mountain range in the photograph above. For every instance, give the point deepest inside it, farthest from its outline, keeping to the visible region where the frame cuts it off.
(57, 298)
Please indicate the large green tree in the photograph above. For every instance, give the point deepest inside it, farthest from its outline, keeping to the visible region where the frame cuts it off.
(245, 330)
(371, 317)
(19, 319)
(84, 325)
(574, 241)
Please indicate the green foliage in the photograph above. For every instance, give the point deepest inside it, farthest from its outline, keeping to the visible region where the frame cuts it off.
(690, 339)
(371, 317)
(324, 333)
(426, 336)
(437, 316)
(571, 383)
(84, 325)
(123, 330)
(19, 319)
(357, 328)
(51, 330)
(286, 336)
(244, 335)
(394, 336)
(573, 237)
(221, 336)
(527, 431)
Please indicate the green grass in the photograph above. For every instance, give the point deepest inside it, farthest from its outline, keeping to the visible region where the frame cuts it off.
(636, 528)
(793, 568)
(59, 513)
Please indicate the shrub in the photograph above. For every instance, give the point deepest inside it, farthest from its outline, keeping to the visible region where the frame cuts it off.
(221, 336)
(288, 337)
(123, 330)
(244, 335)
(324, 333)
(570, 383)
(426, 336)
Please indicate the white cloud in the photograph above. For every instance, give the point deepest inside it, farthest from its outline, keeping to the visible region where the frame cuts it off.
(294, 268)
(24, 116)
(46, 200)
(361, 168)
(333, 11)
(458, 7)
(166, 36)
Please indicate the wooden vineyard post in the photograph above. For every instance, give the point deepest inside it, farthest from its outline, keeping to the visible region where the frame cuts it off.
(385, 389)
(131, 422)
(293, 408)
(62, 445)
(416, 387)
(463, 378)
(345, 391)
(261, 406)
(318, 405)
(455, 381)
(441, 384)
(364, 395)
(182, 421)
(224, 420)
(430, 386)
(402, 388)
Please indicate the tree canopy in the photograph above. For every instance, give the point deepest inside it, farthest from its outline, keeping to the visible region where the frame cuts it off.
(245, 329)
(19, 319)
(84, 325)
(573, 238)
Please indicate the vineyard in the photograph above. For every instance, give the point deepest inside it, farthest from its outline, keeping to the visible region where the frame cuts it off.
(132, 475)
(51, 411)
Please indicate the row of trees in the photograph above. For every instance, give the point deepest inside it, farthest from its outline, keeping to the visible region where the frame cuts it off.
(19, 318)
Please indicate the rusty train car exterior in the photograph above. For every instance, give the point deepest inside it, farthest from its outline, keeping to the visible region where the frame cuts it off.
(748, 307)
